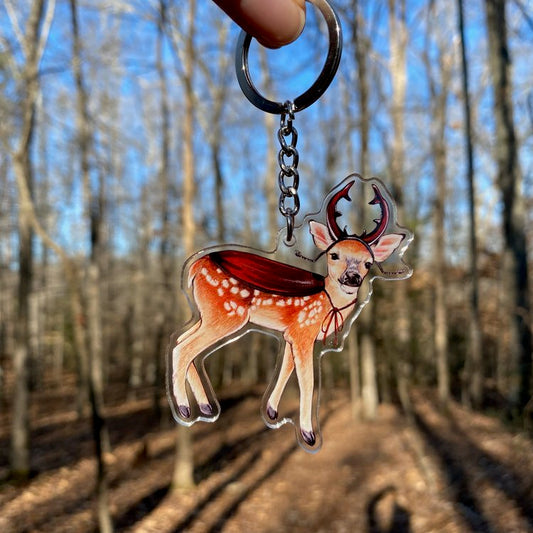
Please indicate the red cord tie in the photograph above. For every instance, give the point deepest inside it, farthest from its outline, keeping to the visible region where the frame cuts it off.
(334, 316)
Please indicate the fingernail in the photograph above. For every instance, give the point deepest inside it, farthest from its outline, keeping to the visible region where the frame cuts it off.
(287, 21)
(301, 13)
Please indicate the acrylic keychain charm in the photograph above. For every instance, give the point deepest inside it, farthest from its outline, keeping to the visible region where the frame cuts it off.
(235, 289)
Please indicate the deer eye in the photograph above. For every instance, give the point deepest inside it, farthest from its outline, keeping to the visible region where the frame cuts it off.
(334, 256)
(368, 264)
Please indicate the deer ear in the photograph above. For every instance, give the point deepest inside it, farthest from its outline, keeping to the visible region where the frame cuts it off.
(321, 235)
(384, 248)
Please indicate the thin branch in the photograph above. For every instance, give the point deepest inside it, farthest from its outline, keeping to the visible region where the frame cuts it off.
(524, 12)
(4, 47)
(27, 205)
(49, 17)
(16, 28)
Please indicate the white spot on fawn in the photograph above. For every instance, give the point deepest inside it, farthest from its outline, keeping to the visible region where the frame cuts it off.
(220, 292)
(227, 306)
(234, 290)
(245, 293)
(233, 281)
(212, 281)
(225, 283)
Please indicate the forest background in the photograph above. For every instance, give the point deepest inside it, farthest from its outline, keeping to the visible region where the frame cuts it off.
(126, 145)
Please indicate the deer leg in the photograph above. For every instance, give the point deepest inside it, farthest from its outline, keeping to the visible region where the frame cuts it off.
(303, 362)
(190, 345)
(287, 366)
(194, 380)
(189, 332)
(197, 387)
(193, 377)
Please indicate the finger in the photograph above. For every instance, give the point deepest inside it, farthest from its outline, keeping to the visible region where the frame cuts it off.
(273, 23)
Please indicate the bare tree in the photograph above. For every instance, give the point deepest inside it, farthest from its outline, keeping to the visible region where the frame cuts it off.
(474, 363)
(216, 83)
(439, 92)
(94, 207)
(78, 315)
(515, 264)
(94, 203)
(32, 43)
(184, 464)
(398, 73)
(270, 164)
(369, 386)
(139, 330)
(166, 264)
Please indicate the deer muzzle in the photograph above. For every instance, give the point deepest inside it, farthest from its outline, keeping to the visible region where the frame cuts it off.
(351, 278)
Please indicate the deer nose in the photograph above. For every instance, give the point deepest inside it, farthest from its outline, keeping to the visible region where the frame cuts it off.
(351, 278)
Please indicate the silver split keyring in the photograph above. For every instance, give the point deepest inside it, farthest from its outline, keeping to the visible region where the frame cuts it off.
(322, 82)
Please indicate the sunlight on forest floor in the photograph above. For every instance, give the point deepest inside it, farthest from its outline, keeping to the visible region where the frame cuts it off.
(462, 472)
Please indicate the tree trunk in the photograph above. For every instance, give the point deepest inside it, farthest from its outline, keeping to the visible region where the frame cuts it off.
(139, 330)
(215, 139)
(20, 430)
(439, 100)
(20, 435)
(94, 208)
(99, 430)
(355, 377)
(354, 359)
(440, 309)
(184, 462)
(474, 365)
(94, 212)
(369, 386)
(515, 263)
(398, 73)
(270, 191)
(165, 257)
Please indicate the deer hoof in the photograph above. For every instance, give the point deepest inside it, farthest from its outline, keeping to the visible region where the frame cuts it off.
(271, 412)
(206, 409)
(308, 436)
(184, 411)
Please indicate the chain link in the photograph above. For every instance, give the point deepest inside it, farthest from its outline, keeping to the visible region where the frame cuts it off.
(288, 158)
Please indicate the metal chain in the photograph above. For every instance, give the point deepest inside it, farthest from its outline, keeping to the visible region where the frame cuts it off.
(289, 202)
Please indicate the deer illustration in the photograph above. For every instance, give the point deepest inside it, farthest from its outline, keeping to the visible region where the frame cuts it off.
(235, 290)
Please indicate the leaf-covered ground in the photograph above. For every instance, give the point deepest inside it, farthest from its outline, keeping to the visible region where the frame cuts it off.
(458, 472)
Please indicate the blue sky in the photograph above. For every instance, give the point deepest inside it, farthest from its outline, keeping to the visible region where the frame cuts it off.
(119, 52)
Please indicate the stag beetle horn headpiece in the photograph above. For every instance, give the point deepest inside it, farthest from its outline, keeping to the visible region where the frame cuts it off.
(332, 214)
